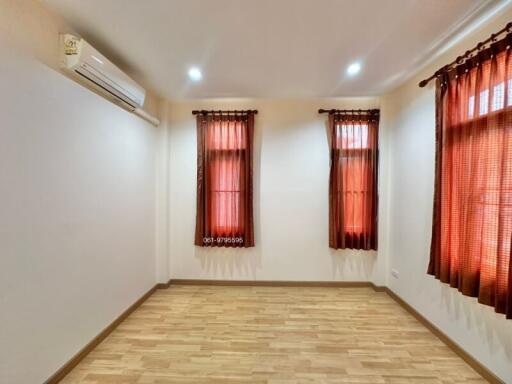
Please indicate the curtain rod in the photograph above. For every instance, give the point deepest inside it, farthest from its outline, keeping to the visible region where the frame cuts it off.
(352, 111)
(204, 112)
(467, 55)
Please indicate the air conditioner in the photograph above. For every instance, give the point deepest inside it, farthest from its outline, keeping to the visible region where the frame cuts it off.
(93, 69)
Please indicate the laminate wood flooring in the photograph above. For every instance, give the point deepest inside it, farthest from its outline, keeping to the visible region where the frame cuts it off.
(271, 335)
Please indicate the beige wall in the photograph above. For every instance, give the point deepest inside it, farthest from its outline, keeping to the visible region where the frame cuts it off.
(291, 171)
(77, 202)
(411, 111)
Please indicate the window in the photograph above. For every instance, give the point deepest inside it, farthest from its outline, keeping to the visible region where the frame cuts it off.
(224, 180)
(353, 136)
(353, 181)
(484, 102)
(356, 192)
(498, 99)
(471, 107)
(472, 225)
(509, 87)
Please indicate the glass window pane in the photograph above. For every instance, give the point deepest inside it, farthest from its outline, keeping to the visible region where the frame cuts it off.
(354, 136)
(509, 90)
(471, 106)
(498, 97)
(484, 102)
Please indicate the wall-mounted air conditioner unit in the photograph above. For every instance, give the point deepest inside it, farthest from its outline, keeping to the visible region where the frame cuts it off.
(93, 69)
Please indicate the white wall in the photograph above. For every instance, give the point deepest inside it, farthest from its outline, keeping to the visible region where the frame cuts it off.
(77, 203)
(291, 172)
(411, 112)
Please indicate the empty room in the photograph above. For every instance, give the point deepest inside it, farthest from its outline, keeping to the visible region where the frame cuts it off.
(255, 191)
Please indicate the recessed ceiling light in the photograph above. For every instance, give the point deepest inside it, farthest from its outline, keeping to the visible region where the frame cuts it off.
(353, 69)
(195, 74)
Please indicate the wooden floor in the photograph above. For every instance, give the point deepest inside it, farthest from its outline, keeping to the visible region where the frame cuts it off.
(274, 335)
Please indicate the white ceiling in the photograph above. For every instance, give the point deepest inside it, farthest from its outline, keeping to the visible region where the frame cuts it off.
(270, 48)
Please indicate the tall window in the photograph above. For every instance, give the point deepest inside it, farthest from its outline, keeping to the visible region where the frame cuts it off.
(472, 221)
(224, 179)
(353, 179)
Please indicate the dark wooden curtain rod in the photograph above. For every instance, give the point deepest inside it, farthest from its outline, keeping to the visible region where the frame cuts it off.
(468, 54)
(350, 111)
(236, 112)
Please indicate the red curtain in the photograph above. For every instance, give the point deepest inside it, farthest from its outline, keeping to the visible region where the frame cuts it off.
(353, 179)
(224, 180)
(472, 220)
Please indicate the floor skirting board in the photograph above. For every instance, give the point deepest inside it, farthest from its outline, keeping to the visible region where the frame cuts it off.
(273, 283)
(470, 360)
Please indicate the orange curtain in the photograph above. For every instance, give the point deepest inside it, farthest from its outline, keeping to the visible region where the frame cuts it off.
(224, 180)
(472, 220)
(353, 199)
